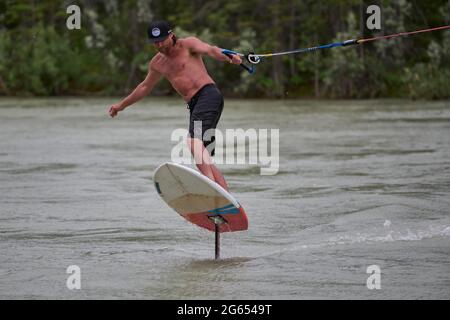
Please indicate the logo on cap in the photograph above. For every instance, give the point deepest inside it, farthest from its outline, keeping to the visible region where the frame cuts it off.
(156, 32)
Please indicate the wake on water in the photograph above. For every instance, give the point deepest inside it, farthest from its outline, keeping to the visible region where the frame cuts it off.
(309, 240)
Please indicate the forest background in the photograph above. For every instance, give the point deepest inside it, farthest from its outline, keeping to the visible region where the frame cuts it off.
(40, 56)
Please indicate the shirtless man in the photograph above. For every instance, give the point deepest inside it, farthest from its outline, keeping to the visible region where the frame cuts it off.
(180, 61)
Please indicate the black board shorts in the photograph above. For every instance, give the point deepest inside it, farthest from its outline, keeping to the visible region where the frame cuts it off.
(205, 106)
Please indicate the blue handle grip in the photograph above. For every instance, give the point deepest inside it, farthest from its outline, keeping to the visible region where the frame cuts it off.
(230, 54)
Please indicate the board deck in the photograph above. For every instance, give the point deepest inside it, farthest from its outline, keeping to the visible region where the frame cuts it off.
(198, 199)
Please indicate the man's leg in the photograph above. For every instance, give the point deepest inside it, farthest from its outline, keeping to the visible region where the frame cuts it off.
(204, 162)
(218, 176)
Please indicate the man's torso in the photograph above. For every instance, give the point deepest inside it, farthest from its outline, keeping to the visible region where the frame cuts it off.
(184, 70)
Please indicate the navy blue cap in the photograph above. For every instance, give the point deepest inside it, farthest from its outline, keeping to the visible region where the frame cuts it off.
(158, 31)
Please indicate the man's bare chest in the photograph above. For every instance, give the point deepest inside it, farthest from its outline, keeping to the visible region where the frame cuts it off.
(172, 66)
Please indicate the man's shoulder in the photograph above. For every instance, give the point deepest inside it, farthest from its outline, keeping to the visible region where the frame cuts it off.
(190, 38)
(188, 41)
(156, 58)
(155, 61)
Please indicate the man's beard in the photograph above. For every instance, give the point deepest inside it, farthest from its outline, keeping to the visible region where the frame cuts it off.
(163, 50)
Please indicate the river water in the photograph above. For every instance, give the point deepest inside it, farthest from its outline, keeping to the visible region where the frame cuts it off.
(360, 184)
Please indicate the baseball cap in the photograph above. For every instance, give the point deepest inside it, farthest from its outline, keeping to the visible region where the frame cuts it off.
(158, 31)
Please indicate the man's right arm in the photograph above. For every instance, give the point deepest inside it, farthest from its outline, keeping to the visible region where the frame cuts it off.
(143, 89)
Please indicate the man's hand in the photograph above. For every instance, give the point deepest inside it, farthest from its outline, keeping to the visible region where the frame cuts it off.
(114, 110)
(235, 59)
(139, 92)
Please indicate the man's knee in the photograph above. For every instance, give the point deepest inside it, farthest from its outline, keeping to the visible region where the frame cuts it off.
(199, 151)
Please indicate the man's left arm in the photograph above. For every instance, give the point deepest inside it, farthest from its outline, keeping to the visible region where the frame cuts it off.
(195, 45)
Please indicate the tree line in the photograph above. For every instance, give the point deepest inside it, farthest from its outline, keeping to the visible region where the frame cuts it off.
(40, 56)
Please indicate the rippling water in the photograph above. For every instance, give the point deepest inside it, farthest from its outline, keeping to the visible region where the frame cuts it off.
(360, 183)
